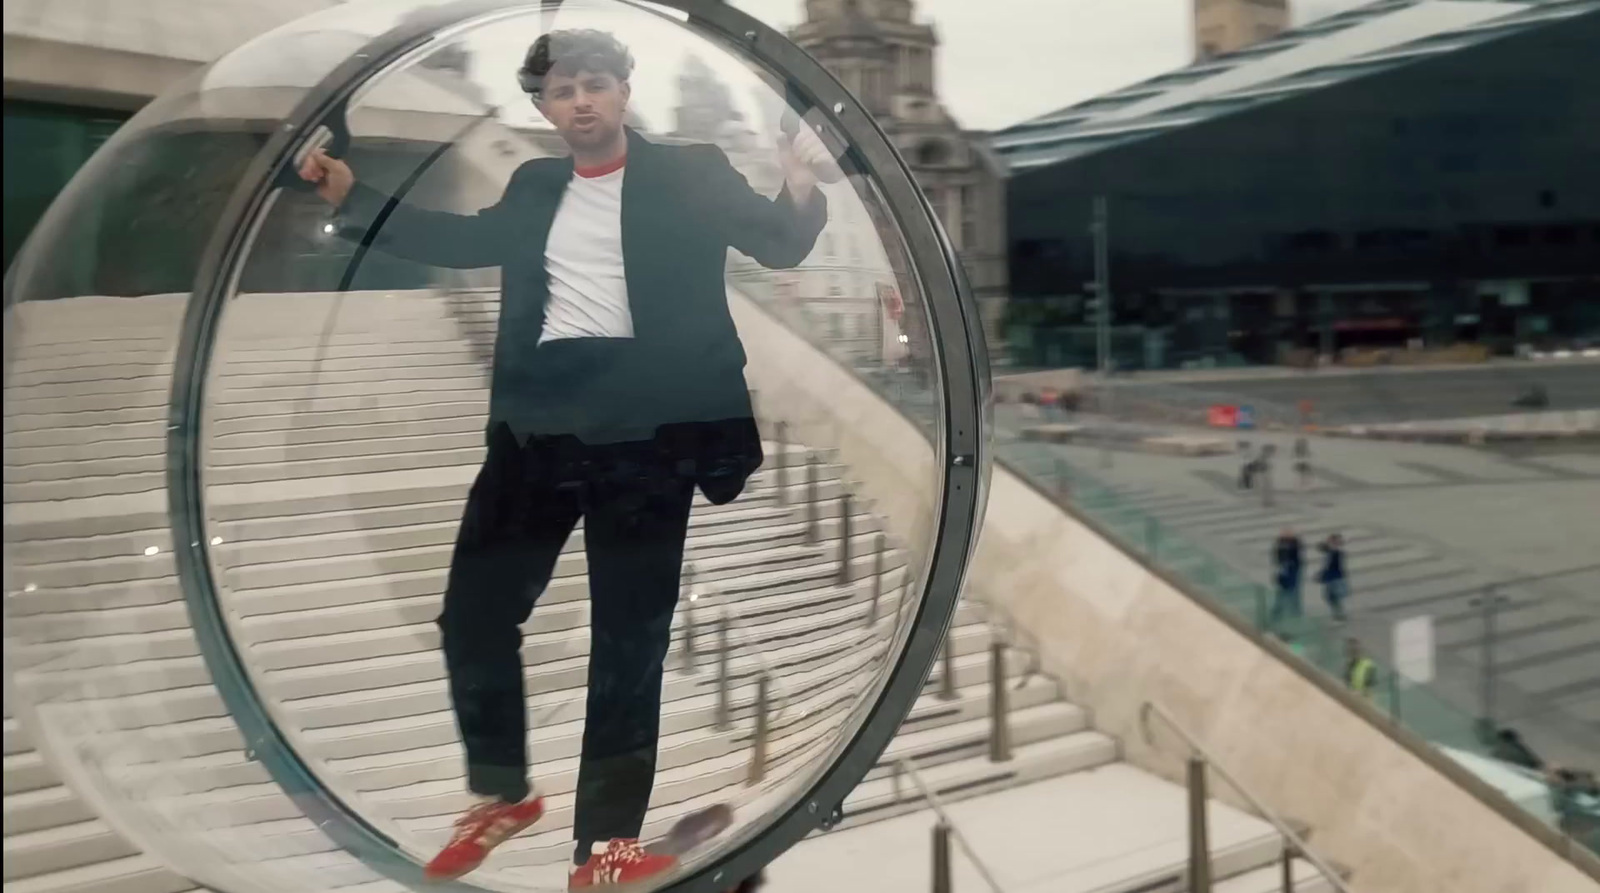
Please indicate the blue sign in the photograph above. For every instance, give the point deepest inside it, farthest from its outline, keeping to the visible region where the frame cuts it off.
(1246, 417)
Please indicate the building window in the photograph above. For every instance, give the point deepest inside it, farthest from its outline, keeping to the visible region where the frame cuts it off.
(933, 153)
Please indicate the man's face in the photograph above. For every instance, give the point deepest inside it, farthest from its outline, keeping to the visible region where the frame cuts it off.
(586, 107)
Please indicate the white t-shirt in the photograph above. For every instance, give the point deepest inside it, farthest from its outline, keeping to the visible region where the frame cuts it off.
(583, 256)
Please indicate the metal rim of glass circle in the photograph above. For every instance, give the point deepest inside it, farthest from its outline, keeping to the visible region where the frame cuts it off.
(961, 370)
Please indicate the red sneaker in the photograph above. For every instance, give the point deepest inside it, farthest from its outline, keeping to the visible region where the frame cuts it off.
(479, 831)
(623, 862)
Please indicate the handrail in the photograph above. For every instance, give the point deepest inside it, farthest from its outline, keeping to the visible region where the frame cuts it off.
(910, 769)
(738, 635)
(1300, 846)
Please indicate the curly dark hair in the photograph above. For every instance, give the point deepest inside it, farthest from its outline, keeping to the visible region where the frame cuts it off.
(569, 52)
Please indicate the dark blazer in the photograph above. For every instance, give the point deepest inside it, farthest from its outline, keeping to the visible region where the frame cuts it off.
(682, 208)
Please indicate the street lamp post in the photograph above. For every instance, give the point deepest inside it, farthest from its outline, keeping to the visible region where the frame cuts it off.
(1490, 603)
(1101, 230)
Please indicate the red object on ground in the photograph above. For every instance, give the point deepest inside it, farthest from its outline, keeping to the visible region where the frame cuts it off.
(623, 862)
(479, 831)
(1222, 415)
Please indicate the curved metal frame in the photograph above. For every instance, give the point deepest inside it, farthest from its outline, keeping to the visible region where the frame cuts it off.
(962, 368)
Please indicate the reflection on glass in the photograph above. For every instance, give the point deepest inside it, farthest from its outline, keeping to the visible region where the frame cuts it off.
(554, 535)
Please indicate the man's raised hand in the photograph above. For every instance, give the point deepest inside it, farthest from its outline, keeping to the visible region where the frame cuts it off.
(332, 176)
(801, 156)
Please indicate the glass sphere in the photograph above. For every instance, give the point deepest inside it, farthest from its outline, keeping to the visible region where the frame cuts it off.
(397, 416)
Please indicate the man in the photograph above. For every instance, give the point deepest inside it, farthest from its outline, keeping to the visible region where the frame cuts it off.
(1287, 559)
(618, 388)
(1335, 581)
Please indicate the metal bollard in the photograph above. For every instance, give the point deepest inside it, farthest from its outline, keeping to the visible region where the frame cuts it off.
(999, 706)
(844, 539)
(811, 499)
(724, 708)
(1394, 696)
(1199, 839)
(758, 743)
(1489, 604)
(782, 471)
(691, 656)
(1288, 867)
(900, 603)
(947, 676)
(877, 580)
(942, 882)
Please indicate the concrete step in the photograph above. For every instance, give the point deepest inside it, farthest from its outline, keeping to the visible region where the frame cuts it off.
(66, 564)
(131, 874)
(236, 382)
(427, 730)
(62, 848)
(27, 771)
(179, 690)
(16, 737)
(146, 662)
(89, 513)
(886, 797)
(43, 808)
(966, 738)
(1305, 877)
(1109, 828)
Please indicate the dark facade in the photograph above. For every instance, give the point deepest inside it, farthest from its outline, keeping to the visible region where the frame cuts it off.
(146, 227)
(44, 146)
(1454, 199)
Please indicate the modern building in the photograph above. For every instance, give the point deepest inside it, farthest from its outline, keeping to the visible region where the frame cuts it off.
(1410, 174)
(878, 50)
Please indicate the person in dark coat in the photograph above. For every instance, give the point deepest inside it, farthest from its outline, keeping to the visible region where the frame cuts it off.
(617, 390)
(1288, 559)
(1334, 577)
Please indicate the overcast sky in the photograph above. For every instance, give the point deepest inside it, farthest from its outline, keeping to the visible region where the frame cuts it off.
(1002, 61)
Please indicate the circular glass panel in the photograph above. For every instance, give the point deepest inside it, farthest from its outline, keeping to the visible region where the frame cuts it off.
(432, 407)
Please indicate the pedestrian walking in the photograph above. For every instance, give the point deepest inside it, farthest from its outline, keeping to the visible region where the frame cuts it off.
(1333, 576)
(1302, 463)
(1288, 555)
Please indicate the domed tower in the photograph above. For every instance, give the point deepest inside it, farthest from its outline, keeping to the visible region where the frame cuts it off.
(880, 52)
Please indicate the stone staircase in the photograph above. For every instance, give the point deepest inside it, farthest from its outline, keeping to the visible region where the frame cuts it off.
(342, 436)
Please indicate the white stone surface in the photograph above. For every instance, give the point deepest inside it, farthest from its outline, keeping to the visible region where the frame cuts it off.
(1089, 831)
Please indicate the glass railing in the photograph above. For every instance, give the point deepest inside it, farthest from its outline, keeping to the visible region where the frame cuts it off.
(1320, 641)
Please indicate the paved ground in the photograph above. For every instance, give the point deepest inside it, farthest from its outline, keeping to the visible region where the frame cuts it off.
(1348, 396)
(1428, 528)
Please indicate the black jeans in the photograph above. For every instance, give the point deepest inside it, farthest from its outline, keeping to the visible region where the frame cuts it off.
(634, 501)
